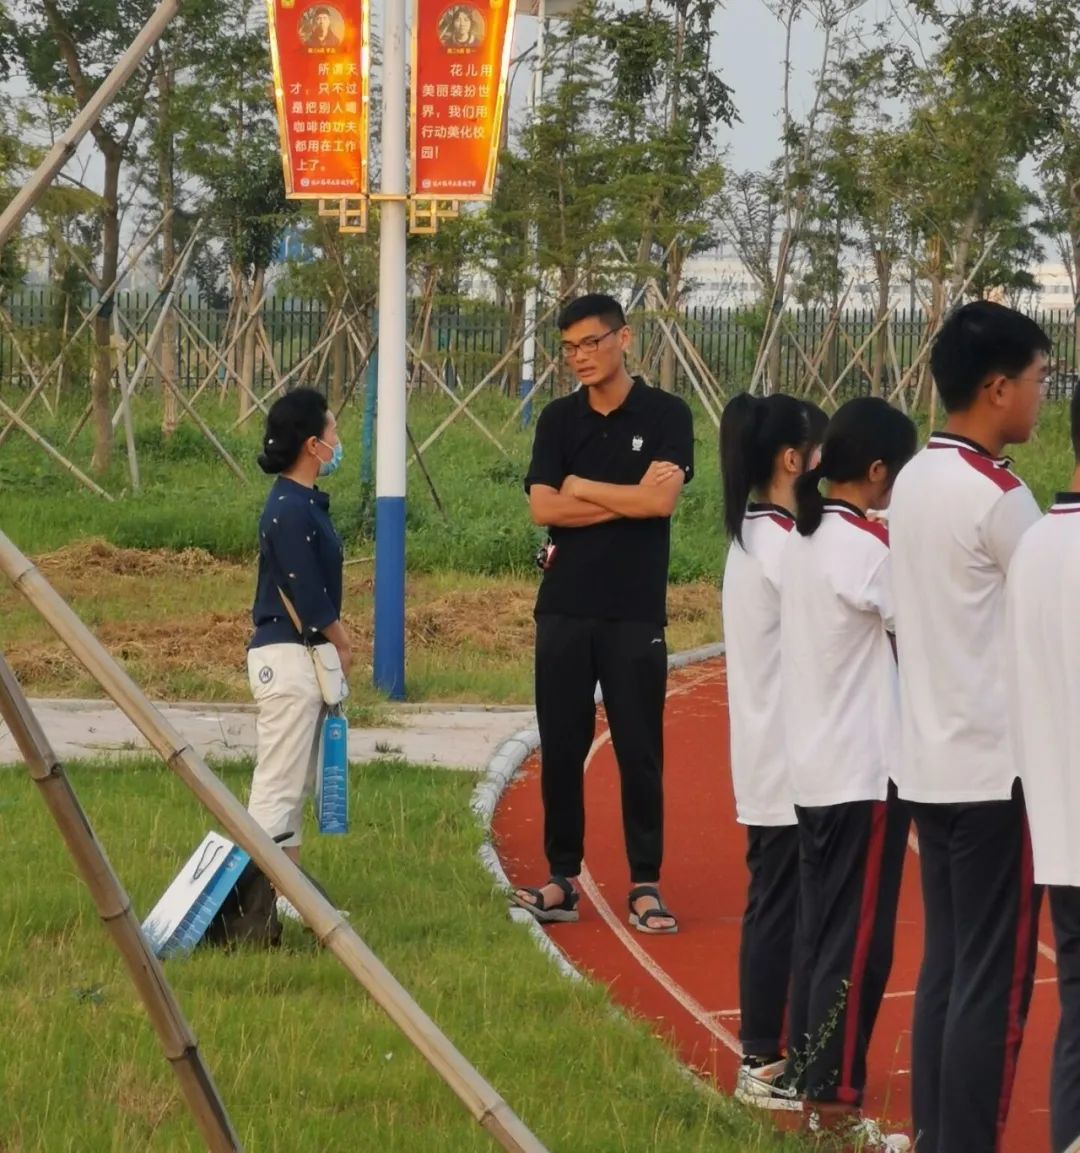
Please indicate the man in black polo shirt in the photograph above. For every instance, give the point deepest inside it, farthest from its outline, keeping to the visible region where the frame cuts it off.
(608, 464)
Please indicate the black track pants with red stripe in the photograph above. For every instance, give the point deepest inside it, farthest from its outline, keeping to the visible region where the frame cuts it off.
(851, 860)
(982, 919)
(1065, 1083)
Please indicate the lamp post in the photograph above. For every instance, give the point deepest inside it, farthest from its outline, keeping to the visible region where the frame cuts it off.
(388, 658)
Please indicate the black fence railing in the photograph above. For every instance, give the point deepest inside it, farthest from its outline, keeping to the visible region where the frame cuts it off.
(465, 340)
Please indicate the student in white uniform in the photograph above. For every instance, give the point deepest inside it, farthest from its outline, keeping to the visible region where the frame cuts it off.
(840, 713)
(1043, 658)
(766, 443)
(957, 514)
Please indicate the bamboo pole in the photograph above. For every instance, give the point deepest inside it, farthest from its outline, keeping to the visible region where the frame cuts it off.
(149, 348)
(125, 402)
(421, 365)
(220, 356)
(540, 382)
(58, 360)
(324, 340)
(506, 357)
(55, 453)
(177, 1041)
(201, 424)
(328, 925)
(830, 393)
(63, 344)
(65, 147)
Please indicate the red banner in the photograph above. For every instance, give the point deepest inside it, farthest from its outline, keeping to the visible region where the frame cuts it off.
(460, 61)
(321, 64)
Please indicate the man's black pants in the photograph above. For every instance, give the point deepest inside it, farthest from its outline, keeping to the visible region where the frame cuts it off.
(629, 660)
(851, 862)
(768, 934)
(981, 910)
(1065, 1080)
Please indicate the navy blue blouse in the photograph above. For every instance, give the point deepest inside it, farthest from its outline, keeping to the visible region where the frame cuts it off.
(300, 552)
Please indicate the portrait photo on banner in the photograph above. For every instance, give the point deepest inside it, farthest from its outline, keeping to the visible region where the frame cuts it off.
(321, 28)
(462, 28)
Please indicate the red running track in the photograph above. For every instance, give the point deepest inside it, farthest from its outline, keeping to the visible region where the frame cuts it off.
(688, 984)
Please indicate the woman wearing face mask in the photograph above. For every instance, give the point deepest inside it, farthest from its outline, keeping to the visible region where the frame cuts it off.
(300, 571)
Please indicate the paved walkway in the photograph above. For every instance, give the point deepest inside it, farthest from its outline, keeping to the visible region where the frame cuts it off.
(454, 738)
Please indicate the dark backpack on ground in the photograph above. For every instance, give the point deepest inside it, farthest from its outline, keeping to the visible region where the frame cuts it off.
(248, 915)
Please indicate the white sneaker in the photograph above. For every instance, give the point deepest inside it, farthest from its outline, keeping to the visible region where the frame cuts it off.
(762, 1087)
(287, 911)
(866, 1134)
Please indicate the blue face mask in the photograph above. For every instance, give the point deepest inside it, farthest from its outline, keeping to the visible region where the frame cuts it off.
(328, 467)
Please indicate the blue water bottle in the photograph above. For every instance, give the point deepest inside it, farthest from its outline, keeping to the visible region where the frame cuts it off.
(333, 799)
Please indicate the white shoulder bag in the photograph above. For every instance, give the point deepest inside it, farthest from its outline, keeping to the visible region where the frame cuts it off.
(328, 670)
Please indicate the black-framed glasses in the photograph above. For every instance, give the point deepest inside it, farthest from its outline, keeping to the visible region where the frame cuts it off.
(587, 345)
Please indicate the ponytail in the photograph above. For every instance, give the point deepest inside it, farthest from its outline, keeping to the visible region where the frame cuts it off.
(809, 503)
(738, 466)
(863, 431)
(753, 431)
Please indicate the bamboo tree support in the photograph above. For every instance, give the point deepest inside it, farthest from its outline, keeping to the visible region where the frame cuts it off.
(830, 393)
(338, 317)
(552, 367)
(931, 332)
(708, 379)
(37, 382)
(773, 314)
(201, 424)
(506, 357)
(63, 344)
(122, 377)
(149, 349)
(328, 925)
(895, 364)
(422, 366)
(221, 357)
(427, 475)
(57, 364)
(177, 1041)
(324, 341)
(64, 148)
(423, 323)
(359, 368)
(813, 366)
(55, 453)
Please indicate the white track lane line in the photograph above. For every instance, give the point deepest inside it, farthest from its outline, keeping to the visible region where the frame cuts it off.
(623, 935)
(708, 1020)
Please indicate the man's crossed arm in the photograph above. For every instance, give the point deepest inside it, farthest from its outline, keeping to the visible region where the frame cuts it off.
(579, 503)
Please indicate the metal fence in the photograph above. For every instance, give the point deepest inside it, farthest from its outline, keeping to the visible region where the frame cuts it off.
(465, 340)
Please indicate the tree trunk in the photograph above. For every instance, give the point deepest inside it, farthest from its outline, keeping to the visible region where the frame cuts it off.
(337, 370)
(883, 267)
(253, 297)
(167, 190)
(110, 260)
(673, 276)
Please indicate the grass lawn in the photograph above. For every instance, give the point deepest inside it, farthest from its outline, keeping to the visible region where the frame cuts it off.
(303, 1059)
(165, 575)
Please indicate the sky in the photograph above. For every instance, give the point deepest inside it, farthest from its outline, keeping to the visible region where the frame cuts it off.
(749, 51)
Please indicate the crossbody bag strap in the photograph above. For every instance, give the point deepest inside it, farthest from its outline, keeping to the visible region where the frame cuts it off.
(292, 614)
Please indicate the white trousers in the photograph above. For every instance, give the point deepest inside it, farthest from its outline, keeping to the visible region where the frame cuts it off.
(288, 731)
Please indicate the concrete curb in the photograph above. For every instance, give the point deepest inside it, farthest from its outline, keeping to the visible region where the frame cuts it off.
(502, 768)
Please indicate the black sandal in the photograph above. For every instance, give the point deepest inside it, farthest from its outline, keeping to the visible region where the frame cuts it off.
(565, 910)
(642, 921)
